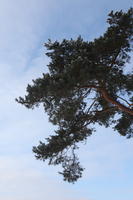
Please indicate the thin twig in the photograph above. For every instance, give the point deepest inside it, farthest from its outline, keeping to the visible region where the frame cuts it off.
(125, 101)
(91, 105)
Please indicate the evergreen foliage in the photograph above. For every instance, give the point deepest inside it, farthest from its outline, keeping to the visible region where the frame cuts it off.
(87, 84)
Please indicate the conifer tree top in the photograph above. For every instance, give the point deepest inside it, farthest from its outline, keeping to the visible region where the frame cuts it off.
(87, 84)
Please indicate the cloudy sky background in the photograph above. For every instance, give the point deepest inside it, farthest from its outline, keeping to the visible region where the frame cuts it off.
(107, 157)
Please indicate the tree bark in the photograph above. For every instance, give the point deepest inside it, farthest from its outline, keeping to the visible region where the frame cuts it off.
(116, 103)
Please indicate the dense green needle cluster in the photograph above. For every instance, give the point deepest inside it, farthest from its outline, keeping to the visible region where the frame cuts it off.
(87, 84)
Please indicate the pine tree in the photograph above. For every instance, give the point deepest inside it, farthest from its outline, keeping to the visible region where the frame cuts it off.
(87, 84)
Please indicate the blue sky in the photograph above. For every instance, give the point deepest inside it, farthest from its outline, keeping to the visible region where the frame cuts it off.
(107, 157)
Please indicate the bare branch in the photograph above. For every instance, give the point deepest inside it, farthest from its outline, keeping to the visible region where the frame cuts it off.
(125, 101)
(105, 110)
(91, 105)
(108, 98)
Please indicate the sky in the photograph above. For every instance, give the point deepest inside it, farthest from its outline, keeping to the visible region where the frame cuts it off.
(107, 157)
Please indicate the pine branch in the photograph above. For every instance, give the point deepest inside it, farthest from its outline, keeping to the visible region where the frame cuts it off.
(109, 99)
